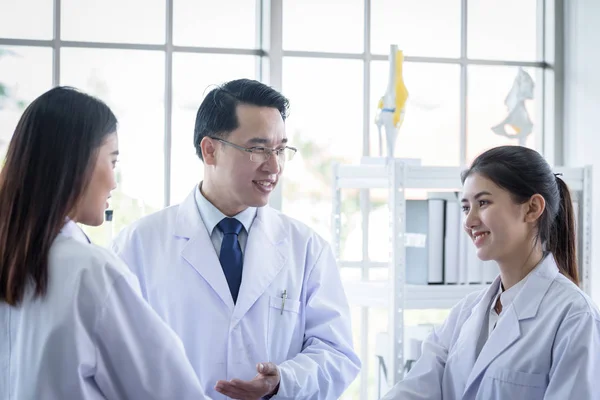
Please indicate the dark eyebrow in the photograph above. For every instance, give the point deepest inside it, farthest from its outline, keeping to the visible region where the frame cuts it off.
(115, 153)
(478, 195)
(263, 141)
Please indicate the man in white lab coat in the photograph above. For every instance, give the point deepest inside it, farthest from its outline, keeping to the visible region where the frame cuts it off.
(255, 296)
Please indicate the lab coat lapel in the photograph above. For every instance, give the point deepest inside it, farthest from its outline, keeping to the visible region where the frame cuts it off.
(466, 344)
(524, 306)
(199, 251)
(263, 259)
(528, 302)
(506, 333)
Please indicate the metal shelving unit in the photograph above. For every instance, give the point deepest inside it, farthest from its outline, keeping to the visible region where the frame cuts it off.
(394, 294)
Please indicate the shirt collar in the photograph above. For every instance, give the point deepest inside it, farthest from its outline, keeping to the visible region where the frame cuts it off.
(211, 215)
(507, 296)
(72, 230)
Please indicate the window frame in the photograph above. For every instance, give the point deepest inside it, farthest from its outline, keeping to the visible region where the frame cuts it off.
(270, 52)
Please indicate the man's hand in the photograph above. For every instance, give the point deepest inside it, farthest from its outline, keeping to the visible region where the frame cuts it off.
(265, 383)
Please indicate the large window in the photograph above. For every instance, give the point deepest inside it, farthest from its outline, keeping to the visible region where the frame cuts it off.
(153, 61)
(25, 72)
(461, 62)
(152, 71)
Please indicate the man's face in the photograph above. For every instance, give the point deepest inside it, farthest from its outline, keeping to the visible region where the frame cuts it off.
(243, 179)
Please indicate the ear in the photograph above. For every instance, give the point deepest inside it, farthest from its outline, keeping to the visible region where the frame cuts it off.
(535, 207)
(209, 151)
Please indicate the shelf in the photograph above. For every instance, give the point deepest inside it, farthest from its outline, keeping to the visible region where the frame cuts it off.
(377, 294)
(431, 178)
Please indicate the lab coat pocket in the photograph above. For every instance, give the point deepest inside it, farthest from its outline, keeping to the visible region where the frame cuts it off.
(503, 383)
(283, 335)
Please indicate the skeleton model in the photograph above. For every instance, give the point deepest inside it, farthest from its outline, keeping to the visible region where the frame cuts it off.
(518, 118)
(391, 108)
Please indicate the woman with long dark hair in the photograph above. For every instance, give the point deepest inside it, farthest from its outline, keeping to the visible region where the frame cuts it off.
(533, 334)
(72, 321)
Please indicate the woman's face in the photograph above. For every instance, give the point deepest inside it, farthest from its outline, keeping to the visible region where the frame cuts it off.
(94, 201)
(493, 220)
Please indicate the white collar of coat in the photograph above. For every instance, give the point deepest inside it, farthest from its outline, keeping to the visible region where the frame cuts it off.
(72, 230)
(211, 215)
(189, 220)
(528, 301)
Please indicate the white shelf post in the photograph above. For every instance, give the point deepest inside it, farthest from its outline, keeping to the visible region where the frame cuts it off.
(397, 179)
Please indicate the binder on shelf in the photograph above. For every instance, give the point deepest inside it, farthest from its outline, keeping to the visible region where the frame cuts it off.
(425, 241)
(417, 225)
(452, 234)
(463, 262)
(435, 240)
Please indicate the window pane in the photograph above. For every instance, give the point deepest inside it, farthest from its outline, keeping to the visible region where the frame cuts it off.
(194, 75)
(323, 25)
(117, 21)
(210, 23)
(324, 128)
(432, 112)
(25, 73)
(18, 22)
(132, 84)
(419, 28)
(502, 30)
(488, 89)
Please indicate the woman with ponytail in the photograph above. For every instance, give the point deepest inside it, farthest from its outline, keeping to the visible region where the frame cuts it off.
(533, 334)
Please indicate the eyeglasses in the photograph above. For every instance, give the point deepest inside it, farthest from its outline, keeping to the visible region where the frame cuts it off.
(263, 154)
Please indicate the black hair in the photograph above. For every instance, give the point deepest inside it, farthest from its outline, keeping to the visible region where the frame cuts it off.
(217, 117)
(49, 162)
(524, 172)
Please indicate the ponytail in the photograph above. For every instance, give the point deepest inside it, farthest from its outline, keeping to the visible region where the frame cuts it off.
(561, 241)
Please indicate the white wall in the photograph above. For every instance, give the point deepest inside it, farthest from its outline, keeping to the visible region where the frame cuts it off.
(582, 105)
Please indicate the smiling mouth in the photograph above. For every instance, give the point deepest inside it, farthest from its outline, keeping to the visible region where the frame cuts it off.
(266, 184)
(480, 235)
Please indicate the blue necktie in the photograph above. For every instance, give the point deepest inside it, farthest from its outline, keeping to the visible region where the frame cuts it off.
(231, 254)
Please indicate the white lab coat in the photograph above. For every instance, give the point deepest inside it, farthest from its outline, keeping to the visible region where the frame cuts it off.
(309, 337)
(546, 345)
(92, 336)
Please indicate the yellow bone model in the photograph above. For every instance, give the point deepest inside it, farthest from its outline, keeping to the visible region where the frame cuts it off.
(392, 105)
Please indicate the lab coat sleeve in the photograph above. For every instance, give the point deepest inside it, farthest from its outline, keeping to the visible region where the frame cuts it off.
(327, 364)
(138, 355)
(576, 359)
(126, 246)
(424, 381)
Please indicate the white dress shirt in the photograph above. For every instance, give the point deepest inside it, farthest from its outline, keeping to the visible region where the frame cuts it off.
(211, 216)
